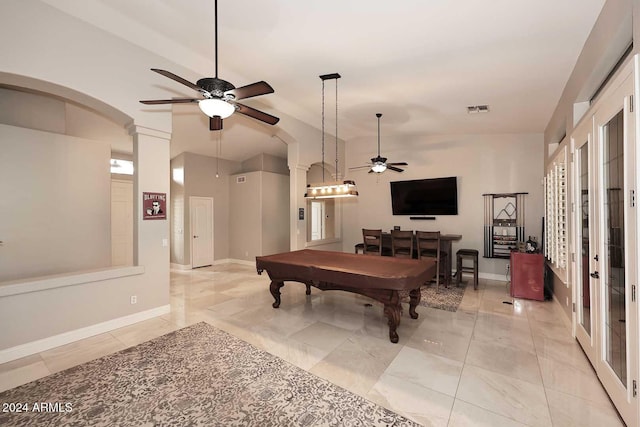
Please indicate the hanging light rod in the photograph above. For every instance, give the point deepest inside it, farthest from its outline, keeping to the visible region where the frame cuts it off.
(336, 189)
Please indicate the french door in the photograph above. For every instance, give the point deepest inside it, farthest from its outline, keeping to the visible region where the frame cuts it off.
(585, 244)
(606, 245)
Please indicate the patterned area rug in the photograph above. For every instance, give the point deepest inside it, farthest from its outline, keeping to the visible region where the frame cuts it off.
(196, 376)
(444, 299)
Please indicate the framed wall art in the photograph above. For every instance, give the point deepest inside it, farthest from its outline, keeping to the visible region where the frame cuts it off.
(154, 205)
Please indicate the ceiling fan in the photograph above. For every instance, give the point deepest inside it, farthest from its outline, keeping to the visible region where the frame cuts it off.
(379, 164)
(219, 96)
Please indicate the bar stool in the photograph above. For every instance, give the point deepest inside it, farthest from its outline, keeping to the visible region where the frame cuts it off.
(469, 254)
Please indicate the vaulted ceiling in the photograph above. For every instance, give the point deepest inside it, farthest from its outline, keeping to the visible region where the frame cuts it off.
(421, 63)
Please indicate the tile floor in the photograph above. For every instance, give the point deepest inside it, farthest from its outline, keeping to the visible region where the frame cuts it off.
(488, 364)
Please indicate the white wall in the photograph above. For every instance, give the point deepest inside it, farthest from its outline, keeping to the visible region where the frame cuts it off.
(45, 228)
(483, 164)
(178, 221)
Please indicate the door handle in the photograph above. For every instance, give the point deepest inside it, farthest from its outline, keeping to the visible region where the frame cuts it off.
(595, 275)
(595, 258)
(195, 237)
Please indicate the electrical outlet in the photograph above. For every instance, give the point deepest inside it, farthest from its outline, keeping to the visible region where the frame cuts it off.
(134, 299)
(246, 253)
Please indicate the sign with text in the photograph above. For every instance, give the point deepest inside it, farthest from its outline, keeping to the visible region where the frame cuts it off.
(154, 205)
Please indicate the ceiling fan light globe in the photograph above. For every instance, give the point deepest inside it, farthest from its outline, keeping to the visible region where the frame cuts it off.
(379, 167)
(216, 107)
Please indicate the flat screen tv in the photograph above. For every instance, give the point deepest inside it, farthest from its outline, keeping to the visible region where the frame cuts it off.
(436, 196)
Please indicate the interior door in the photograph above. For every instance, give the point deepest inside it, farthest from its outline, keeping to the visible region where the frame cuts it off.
(617, 344)
(121, 222)
(585, 243)
(317, 220)
(201, 231)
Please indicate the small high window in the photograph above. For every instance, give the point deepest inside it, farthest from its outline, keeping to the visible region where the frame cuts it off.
(122, 167)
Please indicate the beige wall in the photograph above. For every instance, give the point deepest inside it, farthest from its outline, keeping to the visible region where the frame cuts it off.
(241, 211)
(259, 220)
(245, 224)
(200, 180)
(275, 213)
(500, 163)
(610, 36)
(68, 64)
(55, 193)
(266, 162)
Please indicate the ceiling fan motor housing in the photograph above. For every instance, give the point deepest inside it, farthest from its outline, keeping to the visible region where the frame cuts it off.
(215, 86)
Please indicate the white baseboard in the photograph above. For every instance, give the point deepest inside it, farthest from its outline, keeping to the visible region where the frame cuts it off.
(493, 276)
(48, 343)
(567, 321)
(216, 262)
(235, 261)
(489, 276)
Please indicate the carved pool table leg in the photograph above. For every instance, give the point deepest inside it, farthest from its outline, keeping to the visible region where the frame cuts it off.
(392, 311)
(308, 285)
(275, 291)
(414, 300)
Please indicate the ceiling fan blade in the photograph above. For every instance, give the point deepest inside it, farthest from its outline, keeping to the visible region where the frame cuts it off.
(371, 171)
(215, 123)
(179, 80)
(257, 114)
(398, 164)
(254, 89)
(170, 101)
(393, 168)
(359, 167)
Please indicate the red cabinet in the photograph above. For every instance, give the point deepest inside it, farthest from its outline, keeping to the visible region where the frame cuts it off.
(527, 275)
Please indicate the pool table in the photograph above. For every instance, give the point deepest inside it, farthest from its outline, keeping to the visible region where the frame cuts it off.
(373, 276)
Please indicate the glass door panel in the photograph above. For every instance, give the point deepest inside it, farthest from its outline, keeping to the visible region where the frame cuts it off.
(615, 330)
(585, 243)
(584, 288)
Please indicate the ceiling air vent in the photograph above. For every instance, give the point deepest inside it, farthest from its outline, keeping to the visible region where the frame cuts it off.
(241, 179)
(473, 109)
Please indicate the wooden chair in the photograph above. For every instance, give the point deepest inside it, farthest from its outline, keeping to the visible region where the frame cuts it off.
(372, 241)
(402, 244)
(429, 247)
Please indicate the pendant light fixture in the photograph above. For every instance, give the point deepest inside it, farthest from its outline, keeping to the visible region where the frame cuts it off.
(336, 189)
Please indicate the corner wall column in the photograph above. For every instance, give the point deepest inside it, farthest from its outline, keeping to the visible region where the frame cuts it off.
(297, 188)
(151, 238)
